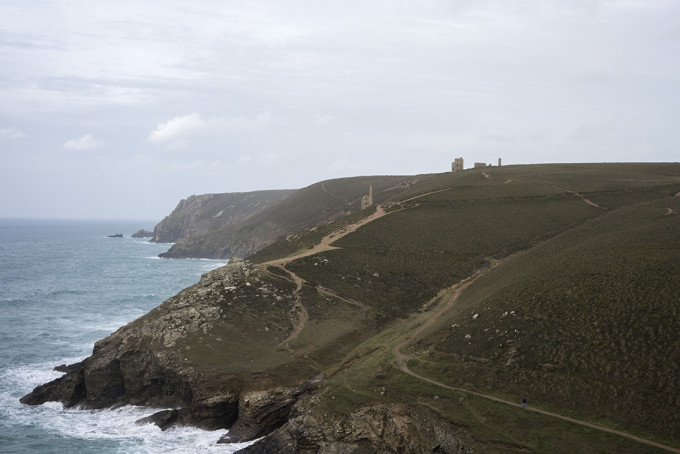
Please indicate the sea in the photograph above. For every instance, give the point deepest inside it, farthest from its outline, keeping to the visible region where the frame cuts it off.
(64, 284)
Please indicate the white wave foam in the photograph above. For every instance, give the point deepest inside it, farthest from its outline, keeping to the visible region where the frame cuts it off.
(24, 378)
(117, 425)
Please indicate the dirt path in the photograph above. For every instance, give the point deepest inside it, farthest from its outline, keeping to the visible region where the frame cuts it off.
(329, 292)
(323, 186)
(325, 243)
(577, 194)
(401, 359)
(423, 195)
(297, 314)
(570, 191)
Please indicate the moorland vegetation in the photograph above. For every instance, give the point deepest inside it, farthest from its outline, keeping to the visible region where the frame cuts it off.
(441, 306)
(581, 315)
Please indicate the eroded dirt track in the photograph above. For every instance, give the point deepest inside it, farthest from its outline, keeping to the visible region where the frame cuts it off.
(401, 361)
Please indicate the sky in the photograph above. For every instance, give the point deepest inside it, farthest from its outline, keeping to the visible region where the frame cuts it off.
(120, 109)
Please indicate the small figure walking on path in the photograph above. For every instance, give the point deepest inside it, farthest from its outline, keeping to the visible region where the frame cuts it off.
(524, 402)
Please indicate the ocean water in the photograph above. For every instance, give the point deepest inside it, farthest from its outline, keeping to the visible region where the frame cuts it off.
(64, 285)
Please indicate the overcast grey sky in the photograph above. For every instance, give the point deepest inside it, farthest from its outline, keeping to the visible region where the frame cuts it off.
(119, 109)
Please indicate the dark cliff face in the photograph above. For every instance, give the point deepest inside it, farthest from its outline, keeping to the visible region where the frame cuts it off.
(187, 354)
(373, 427)
(306, 208)
(219, 353)
(199, 214)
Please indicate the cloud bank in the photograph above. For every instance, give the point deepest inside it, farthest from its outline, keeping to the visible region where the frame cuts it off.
(87, 142)
(179, 128)
(285, 94)
(11, 133)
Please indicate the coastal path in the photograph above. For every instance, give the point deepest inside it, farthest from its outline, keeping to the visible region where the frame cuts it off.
(401, 360)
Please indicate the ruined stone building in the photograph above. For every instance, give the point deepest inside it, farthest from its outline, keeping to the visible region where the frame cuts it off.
(480, 164)
(367, 200)
(457, 165)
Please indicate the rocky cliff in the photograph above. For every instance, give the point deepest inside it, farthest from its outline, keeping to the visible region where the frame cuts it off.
(374, 427)
(187, 354)
(218, 354)
(199, 214)
(306, 208)
(417, 326)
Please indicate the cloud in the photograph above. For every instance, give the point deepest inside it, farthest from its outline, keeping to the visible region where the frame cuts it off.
(243, 124)
(177, 129)
(11, 133)
(87, 142)
(176, 133)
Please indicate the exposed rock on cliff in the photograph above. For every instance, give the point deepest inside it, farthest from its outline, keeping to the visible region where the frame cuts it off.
(306, 208)
(188, 354)
(434, 274)
(200, 214)
(374, 427)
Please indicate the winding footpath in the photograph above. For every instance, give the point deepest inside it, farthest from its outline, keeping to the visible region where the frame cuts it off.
(401, 360)
(325, 243)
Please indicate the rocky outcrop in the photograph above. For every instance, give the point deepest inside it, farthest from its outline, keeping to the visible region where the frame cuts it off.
(306, 208)
(374, 427)
(199, 214)
(141, 233)
(262, 412)
(186, 356)
(160, 359)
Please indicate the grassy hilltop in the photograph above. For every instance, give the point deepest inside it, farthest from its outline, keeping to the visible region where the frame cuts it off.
(300, 210)
(575, 303)
(429, 316)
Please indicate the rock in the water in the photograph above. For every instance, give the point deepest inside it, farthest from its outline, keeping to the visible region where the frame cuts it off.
(141, 233)
(117, 235)
(163, 419)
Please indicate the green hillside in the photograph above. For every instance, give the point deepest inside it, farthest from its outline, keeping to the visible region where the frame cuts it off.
(419, 323)
(575, 306)
(586, 323)
(301, 210)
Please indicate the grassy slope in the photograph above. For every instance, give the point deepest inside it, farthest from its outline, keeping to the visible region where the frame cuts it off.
(303, 209)
(398, 263)
(586, 323)
(601, 281)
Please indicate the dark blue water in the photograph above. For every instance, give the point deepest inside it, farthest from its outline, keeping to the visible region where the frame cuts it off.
(64, 285)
